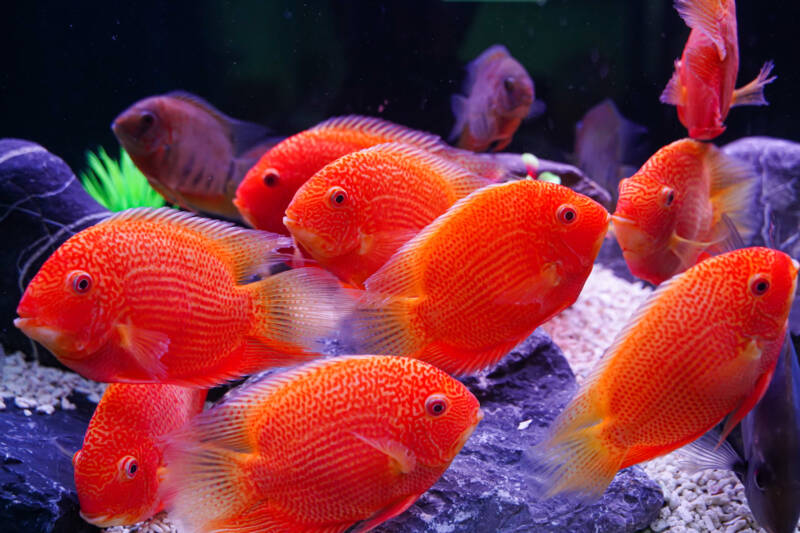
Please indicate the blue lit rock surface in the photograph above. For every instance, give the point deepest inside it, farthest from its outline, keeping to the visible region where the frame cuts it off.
(42, 204)
(37, 490)
(482, 489)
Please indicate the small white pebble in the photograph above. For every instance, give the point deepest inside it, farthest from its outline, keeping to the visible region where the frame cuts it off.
(524, 424)
(27, 412)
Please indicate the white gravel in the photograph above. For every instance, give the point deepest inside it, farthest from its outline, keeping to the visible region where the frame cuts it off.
(712, 500)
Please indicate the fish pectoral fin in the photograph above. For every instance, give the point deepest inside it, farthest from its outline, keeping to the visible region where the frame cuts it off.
(387, 513)
(705, 453)
(533, 288)
(146, 346)
(673, 93)
(753, 92)
(402, 460)
(687, 250)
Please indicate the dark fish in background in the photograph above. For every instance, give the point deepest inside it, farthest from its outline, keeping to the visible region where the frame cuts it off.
(767, 459)
(608, 146)
(192, 154)
(499, 95)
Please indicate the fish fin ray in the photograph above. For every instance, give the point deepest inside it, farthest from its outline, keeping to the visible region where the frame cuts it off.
(147, 347)
(402, 459)
(706, 17)
(383, 325)
(460, 361)
(704, 453)
(734, 193)
(387, 513)
(251, 252)
(746, 404)
(753, 92)
(393, 132)
(673, 93)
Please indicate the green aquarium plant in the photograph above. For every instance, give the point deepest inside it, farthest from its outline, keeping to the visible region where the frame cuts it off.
(117, 185)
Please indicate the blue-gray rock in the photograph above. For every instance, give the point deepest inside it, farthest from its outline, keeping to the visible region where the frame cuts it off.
(777, 163)
(483, 490)
(37, 489)
(42, 204)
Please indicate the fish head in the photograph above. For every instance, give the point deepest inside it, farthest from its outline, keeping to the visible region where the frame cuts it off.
(144, 127)
(578, 223)
(767, 280)
(117, 476)
(773, 491)
(514, 89)
(323, 216)
(269, 186)
(69, 304)
(443, 416)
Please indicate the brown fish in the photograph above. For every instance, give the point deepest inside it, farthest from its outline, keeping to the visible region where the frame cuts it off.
(192, 154)
(499, 95)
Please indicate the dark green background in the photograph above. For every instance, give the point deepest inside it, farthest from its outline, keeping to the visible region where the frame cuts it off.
(69, 68)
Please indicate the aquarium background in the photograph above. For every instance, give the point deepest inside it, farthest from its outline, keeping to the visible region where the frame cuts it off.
(70, 67)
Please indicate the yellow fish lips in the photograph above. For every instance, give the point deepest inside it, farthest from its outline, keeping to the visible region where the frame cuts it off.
(106, 520)
(51, 338)
(630, 236)
(311, 241)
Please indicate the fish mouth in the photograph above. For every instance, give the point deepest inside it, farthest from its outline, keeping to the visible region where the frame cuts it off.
(312, 242)
(246, 215)
(47, 336)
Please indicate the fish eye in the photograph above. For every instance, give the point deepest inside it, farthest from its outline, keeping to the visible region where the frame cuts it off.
(337, 196)
(508, 84)
(667, 196)
(148, 119)
(128, 466)
(567, 214)
(759, 284)
(436, 404)
(80, 281)
(761, 478)
(271, 177)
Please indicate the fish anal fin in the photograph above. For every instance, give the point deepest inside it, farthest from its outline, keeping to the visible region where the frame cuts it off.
(674, 93)
(267, 517)
(387, 513)
(388, 131)
(753, 92)
(749, 402)
(705, 16)
(638, 454)
(147, 347)
(704, 453)
(402, 459)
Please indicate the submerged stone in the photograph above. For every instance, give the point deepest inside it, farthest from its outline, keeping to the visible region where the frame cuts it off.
(42, 204)
(37, 489)
(483, 490)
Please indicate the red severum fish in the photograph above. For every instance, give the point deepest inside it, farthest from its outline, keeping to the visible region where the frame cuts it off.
(119, 468)
(703, 84)
(190, 152)
(670, 212)
(352, 215)
(270, 185)
(499, 94)
(320, 448)
(160, 296)
(482, 276)
(703, 346)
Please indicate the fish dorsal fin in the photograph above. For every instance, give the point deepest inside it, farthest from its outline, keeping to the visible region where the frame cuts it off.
(706, 17)
(633, 323)
(462, 180)
(401, 274)
(703, 454)
(243, 135)
(252, 252)
(384, 128)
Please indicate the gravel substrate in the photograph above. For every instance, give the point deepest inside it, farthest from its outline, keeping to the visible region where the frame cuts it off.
(712, 500)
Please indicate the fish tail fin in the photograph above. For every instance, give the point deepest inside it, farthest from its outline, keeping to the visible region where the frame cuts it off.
(206, 482)
(753, 92)
(573, 461)
(734, 193)
(293, 311)
(384, 325)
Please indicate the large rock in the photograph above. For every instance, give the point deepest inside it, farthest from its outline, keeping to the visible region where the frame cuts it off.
(483, 490)
(37, 489)
(42, 204)
(777, 163)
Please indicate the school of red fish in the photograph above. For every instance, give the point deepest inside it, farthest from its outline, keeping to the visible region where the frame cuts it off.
(436, 262)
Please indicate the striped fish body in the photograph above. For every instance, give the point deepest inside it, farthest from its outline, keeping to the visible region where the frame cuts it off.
(161, 296)
(274, 457)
